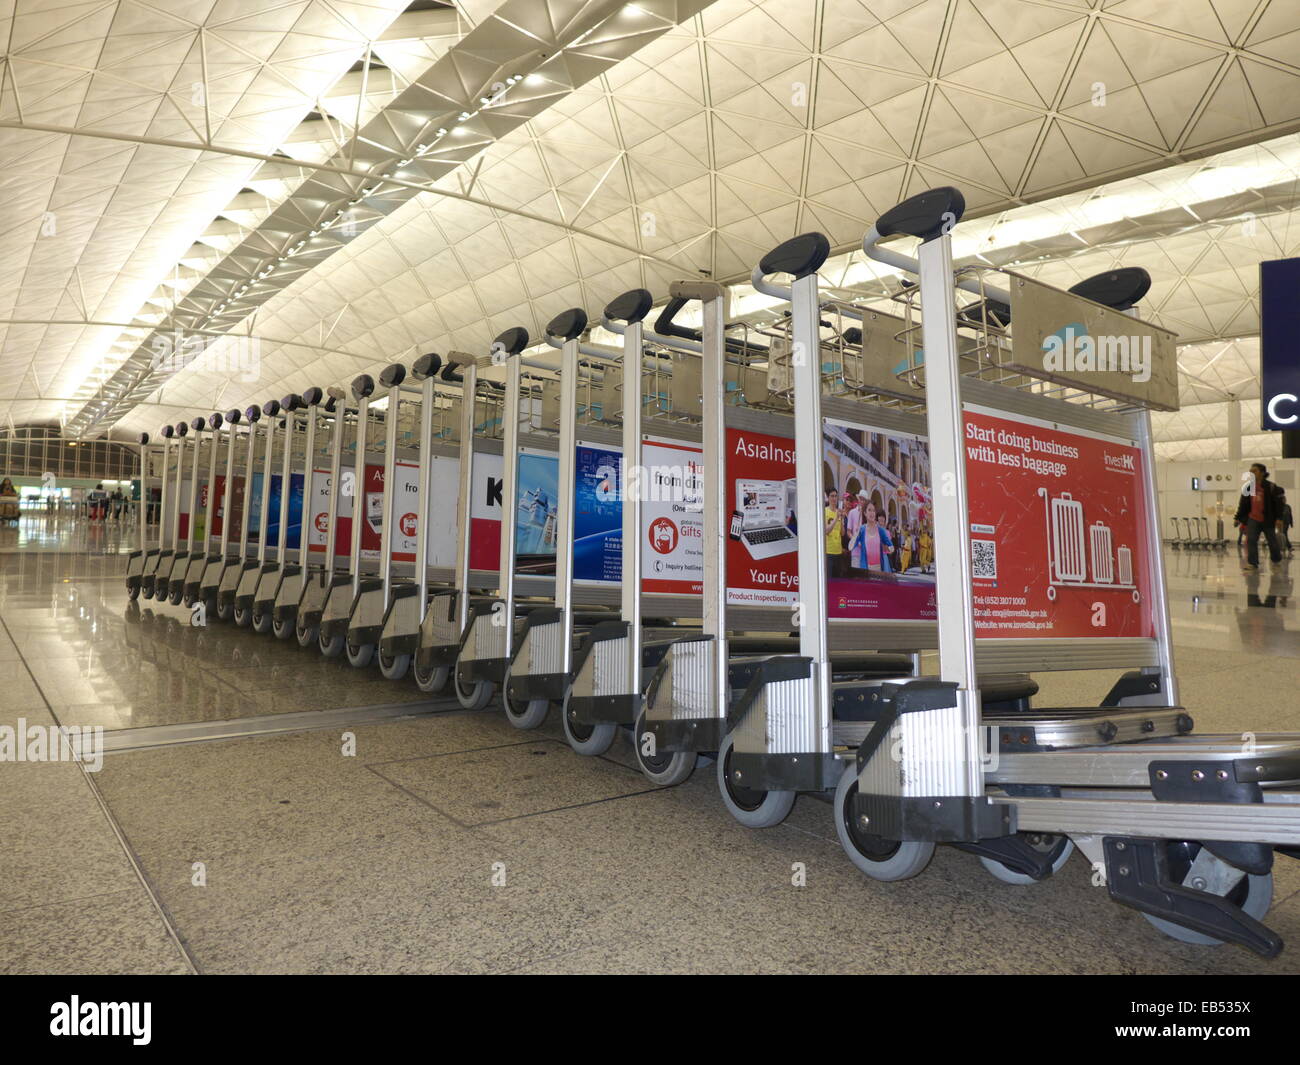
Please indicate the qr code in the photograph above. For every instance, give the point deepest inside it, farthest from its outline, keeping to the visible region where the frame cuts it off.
(984, 559)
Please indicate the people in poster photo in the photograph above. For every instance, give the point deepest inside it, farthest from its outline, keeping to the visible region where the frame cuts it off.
(878, 522)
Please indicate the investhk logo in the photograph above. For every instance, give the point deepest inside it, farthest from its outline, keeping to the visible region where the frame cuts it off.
(1071, 349)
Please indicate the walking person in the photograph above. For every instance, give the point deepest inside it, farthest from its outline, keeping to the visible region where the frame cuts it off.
(97, 501)
(1260, 511)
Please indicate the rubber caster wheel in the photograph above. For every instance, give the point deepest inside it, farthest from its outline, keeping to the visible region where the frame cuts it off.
(243, 617)
(752, 807)
(1253, 894)
(331, 646)
(176, 597)
(262, 622)
(282, 629)
(394, 667)
(133, 594)
(360, 655)
(528, 715)
(666, 770)
(307, 635)
(225, 610)
(432, 680)
(1058, 848)
(589, 740)
(474, 696)
(880, 858)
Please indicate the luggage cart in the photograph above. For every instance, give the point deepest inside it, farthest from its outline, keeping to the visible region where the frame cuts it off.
(237, 570)
(320, 579)
(373, 594)
(694, 695)
(1183, 827)
(219, 559)
(399, 634)
(201, 558)
(180, 562)
(143, 558)
(172, 514)
(336, 610)
(251, 578)
(446, 616)
(283, 602)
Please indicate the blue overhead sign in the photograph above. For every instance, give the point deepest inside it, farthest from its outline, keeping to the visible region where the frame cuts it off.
(1279, 346)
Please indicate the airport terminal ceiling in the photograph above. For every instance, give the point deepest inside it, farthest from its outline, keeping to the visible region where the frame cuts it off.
(218, 166)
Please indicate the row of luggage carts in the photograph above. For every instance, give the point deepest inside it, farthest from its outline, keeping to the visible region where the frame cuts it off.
(1193, 534)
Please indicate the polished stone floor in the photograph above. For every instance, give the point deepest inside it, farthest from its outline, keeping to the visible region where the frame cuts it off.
(446, 841)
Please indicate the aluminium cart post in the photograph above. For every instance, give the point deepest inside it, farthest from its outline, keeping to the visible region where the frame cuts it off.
(232, 421)
(363, 388)
(464, 538)
(633, 500)
(215, 422)
(713, 298)
(254, 415)
(198, 425)
(271, 408)
(289, 405)
(802, 257)
(392, 376)
(568, 327)
(311, 399)
(945, 421)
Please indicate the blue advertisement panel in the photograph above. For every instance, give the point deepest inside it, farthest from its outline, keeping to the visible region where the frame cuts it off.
(273, 522)
(535, 512)
(597, 519)
(598, 516)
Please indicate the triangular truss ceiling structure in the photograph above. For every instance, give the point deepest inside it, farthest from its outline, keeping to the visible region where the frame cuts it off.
(757, 119)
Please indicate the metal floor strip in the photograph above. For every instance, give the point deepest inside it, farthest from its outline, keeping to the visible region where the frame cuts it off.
(135, 739)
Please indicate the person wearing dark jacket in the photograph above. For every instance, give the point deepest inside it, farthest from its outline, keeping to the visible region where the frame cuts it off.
(1260, 511)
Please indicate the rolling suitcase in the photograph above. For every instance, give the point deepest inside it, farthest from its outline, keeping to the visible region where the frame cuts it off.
(1067, 539)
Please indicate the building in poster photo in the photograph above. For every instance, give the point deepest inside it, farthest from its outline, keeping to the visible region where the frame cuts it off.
(879, 523)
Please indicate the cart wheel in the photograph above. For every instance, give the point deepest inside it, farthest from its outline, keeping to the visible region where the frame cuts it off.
(306, 634)
(528, 716)
(133, 593)
(1058, 848)
(394, 667)
(1051, 592)
(225, 610)
(476, 696)
(879, 858)
(262, 621)
(177, 595)
(752, 807)
(282, 629)
(1137, 597)
(432, 680)
(1253, 894)
(589, 740)
(360, 655)
(666, 770)
(243, 617)
(331, 646)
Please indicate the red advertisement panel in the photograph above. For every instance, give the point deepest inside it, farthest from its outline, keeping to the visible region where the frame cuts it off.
(762, 543)
(1056, 525)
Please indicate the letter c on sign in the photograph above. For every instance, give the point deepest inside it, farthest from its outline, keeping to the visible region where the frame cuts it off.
(1272, 408)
